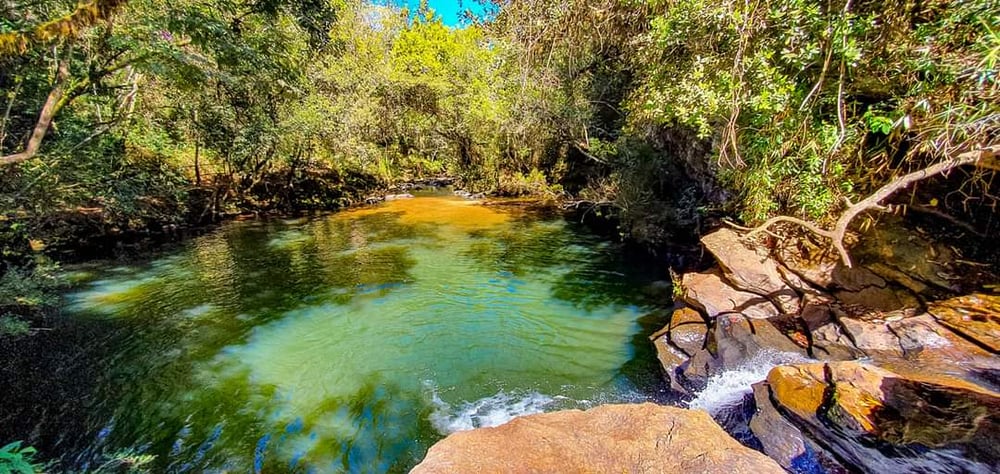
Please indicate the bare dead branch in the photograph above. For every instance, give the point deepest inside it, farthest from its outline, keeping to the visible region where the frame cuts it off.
(986, 157)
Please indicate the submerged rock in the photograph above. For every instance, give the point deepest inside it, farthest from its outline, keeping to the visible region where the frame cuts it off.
(644, 438)
(876, 420)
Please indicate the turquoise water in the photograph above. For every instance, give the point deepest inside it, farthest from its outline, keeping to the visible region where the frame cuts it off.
(354, 341)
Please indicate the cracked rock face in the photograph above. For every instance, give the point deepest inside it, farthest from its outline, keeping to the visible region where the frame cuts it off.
(644, 438)
(714, 296)
(749, 271)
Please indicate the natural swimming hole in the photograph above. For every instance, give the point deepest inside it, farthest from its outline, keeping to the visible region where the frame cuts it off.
(351, 342)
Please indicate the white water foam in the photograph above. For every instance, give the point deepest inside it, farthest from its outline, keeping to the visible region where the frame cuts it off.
(727, 389)
(486, 412)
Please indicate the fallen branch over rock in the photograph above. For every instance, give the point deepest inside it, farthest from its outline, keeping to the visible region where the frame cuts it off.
(986, 157)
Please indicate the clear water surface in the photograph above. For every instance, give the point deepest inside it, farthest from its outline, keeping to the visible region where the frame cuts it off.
(352, 342)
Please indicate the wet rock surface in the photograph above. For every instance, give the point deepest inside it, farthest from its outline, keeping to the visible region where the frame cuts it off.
(786, 443)
(887, 371)
(880, 421)
(644, 438)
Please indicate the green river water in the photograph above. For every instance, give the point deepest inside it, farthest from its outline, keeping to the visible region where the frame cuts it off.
(352, 342)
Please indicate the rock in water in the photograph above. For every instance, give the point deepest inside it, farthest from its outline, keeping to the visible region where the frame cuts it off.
(687, 330)
(644, 438)
(784, 442)
(881, 421)
(684, 337)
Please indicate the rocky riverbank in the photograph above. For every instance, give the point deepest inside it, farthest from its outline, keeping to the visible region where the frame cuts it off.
(888, 365)
(886, 368)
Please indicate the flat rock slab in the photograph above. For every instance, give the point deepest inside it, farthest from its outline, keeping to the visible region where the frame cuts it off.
(644, 438)
(750, 271)
(708, 292)
(874, 338)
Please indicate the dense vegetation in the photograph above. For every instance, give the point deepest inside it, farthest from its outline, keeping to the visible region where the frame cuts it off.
(134, 116)
(127, 117)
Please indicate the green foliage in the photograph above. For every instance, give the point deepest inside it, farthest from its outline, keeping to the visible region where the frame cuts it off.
(187, 108)
(31, 286)
(534, 183)
(794, 93)
(13, 326)
(17, 460)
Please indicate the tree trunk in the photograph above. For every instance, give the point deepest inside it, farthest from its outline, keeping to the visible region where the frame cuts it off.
(197, 167)
(53, 103)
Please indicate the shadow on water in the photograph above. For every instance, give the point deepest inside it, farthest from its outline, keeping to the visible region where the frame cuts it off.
(590, 271)
(48, 380)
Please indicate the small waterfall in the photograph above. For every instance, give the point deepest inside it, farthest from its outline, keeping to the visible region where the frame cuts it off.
(728, 389)
(486, 412)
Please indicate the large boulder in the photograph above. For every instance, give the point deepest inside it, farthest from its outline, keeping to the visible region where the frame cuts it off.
(738, 339)
(688, 330)
(812, 263)
(880, 421)
(708, 292)
(750, 271)
(675, 344)
(644, 438)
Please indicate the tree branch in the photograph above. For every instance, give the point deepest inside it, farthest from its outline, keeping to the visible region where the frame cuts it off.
(986, 157)
(54, 102)
(87, 14)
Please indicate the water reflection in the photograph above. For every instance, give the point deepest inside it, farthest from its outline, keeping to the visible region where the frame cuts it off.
(353, 342)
